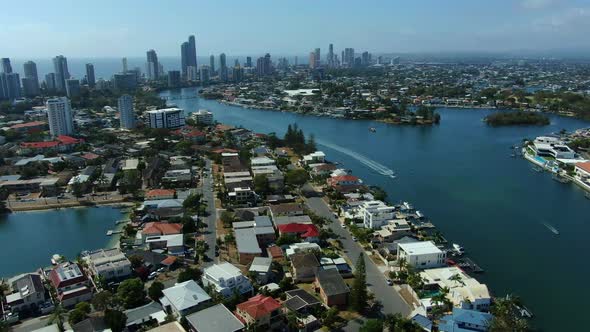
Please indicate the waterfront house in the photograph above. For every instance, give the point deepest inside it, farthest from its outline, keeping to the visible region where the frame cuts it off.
(214, 319)
(149, 314)
(157, 194)
(394, 230)
(174, 243)
(376, 213)
(163, 208)
(110, 264)
(261, 268)
(304, 266)
(465, 320)
(184, 298)
(464, 291)
(317, 157)
(261, 311)
(552, 147)
(177, 178)
(583, 173)
(160, 228)
(226, 279)
(28, 292)
(345, 183)
(332, 288)
(71, 285)
(421, 255)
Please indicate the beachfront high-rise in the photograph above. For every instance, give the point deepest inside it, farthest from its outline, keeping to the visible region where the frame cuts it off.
(60, 66)
(59, 116)
(222, 68)
(152, 66)
(212, 64)
(90, 79)
(9, 86)
(31, 79)
(126, 114)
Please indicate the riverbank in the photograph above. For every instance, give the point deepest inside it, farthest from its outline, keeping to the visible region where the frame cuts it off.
(461, 175)
(55, 203)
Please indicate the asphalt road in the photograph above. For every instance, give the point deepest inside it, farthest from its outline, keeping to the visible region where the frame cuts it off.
(207, 189)
(390, 299)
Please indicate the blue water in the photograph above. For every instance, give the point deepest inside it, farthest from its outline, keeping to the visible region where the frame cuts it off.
(29, 239)
(461, 175)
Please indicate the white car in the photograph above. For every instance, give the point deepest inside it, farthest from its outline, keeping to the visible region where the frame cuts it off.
(354, 238)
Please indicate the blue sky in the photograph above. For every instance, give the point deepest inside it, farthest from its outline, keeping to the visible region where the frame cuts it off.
(41, 28)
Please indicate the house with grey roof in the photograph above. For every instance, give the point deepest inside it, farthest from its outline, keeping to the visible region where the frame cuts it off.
(146, 314)
(247, 245)
(110, 264)
(261, 267)
(332, 288)
(29, 292)
(214, 319)
(184, 298)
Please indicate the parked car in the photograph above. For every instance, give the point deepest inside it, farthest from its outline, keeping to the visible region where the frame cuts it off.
(354, 238)
(389, 282)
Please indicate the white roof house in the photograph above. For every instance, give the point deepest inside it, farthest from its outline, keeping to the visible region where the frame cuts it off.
(465, 292)
(422, 255)
(376, 213)
(261, 161)
(184, 298)
(226, 278)
(316, 157)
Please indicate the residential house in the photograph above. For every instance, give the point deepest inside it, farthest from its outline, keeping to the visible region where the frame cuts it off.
(332, 288)
(247, 245)
(286, 210)
(174, 243)
(242, 196)
(163, 208)
(275, 253)
(261, 311)
(301, 302)
(307, 232)
(157, 194)
(184, 298)
(465, 292)
(149, 314)
(304, 267)
(465, 320)
(261, 268)
(70, 283)
(29, 293)
(421, 255)
(317, 157)
(345, 183)
(226, 279)
(177, 178)
(376, 213)
(303, 247)
(110, 264)
(214, 319)
(394, 230)
(154, 171)
(91, 324)
(160, 228)
(302, 219)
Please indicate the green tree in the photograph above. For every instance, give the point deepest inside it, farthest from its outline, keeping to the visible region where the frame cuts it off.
(131, 292)
(102, 300)
(261, 185)
(372, 325)
(131, 182)
(358, 294)
(192, 202)
(155, 291)
(136, 261)
(75, 316)
(506, 317)
(77, 188)
(189, 273)
(296, 177)
(330, 317)
(115, 320)
(58, 317)
(227, 218)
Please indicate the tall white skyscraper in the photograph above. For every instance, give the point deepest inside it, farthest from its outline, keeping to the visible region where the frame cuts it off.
(59, 116)
(126, 115)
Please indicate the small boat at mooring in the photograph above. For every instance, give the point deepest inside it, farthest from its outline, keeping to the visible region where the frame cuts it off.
(372, 129)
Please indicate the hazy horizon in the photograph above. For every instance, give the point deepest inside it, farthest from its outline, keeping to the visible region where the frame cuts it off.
(39, 29)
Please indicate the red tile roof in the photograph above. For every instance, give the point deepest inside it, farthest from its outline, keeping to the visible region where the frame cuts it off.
(58, 282)
(304, 230)
(161, 228)
(259, 306)
(169, 260)
(90, 156)
(63, 139)
(585, 166)
(39, 145)
(342, 178)
(28, 124)
(160, 192)
(275, 252)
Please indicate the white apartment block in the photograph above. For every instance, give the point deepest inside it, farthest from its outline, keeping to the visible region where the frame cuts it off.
(226, 279)
(59, 116)
(166, 118)
(203, 117)
(376, 213)
(421, 255)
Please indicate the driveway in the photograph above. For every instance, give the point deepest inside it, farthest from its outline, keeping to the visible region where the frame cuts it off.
(390, 299)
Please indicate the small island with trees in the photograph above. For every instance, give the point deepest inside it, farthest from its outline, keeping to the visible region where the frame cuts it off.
(517, 118)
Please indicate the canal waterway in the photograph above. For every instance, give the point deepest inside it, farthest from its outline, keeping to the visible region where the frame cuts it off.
(460, 174)
(29, 239)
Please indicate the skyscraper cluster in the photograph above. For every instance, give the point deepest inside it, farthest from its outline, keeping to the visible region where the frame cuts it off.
(188, 56)
(263, 66)
(9, 82)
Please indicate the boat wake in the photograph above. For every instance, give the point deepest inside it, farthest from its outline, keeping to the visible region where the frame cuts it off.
(551, 228)
(377, 167)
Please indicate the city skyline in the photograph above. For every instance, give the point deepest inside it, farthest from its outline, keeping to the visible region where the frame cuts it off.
(375, 26)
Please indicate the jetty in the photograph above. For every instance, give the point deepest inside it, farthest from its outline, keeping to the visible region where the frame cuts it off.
(112, 232)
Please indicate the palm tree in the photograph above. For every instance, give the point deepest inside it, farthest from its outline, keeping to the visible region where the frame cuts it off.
(457, 278)
(4, 287)
(58, 317)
